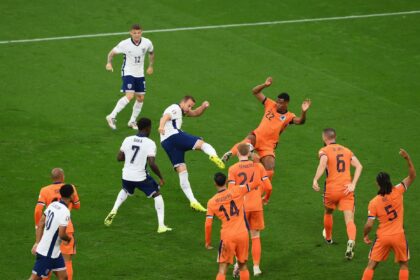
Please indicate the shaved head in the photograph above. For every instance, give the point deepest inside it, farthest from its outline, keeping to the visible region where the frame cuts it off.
(57, 174)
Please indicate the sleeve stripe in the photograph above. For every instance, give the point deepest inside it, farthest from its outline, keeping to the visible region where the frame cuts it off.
(209, 217)
(231, 182)
(371, 217)
(40, 202)
(405, 187)
(76, 202)
(264, 178)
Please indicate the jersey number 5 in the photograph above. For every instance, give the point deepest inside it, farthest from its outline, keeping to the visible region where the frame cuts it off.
(390, 211)
(234, 211)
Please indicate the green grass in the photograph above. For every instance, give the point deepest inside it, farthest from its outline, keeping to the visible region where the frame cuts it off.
(361, 74)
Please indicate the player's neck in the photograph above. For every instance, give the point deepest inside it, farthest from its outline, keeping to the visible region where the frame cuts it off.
(65, 202)
(221, 189)
(331, 142)
(241, 158)
(136, 42)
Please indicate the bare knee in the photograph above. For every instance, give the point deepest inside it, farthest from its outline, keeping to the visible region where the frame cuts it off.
(140, 97)
(329, 211)
(404, 265)
(129, 95)
(348, 216)
(198, 145)
(372, 264)
(242, 266)
(223, 268)
(181, 168)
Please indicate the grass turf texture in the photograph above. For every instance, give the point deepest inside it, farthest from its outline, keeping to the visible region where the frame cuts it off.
(362, 76)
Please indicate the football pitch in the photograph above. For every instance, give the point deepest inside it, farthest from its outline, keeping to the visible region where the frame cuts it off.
(362, 75)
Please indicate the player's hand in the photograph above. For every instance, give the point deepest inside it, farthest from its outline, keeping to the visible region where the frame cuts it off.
(268, 81)
(161, 182)
(404, 154)
(208, 247)
(205, 104)
(349, 188)
(306, 104)
(367, 240)
(149, 70)
(108, 67)
(161, 130)
(33, 250)
(315, 186)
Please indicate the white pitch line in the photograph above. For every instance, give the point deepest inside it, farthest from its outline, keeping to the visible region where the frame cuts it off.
(213, 27)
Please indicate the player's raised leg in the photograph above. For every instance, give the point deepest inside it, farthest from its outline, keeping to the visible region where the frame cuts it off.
(122, 196)
(269, 162)
(185, 185)
(210, 151)
(250, 139)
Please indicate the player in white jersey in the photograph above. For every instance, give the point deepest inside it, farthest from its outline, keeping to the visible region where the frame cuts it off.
(50, 233)
(134, 50)
(138, 151)
(176, 142)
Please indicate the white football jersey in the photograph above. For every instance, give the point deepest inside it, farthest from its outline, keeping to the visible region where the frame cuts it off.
(134, 56)
(173, 126)
(57, 214)
(136, 150)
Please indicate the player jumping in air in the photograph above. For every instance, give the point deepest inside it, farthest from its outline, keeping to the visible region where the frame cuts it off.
(137, 152)
(48, 195)
(134, 50)
(246, 172)
(176, 142)
(388, 208)
(227, 205)
(335, 161)
(51, 231)
(275, 120)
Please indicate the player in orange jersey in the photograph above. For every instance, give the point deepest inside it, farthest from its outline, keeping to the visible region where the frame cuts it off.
(228, 206)
(48, 195)
(388, 208)
(246, 172)
(335, 160)
(275, 121)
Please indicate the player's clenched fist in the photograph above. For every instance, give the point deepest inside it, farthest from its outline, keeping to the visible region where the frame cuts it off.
(268, 81)
(108, 67)
(205, 104)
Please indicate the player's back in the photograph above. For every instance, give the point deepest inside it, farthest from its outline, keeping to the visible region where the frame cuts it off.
(273, 123)
(338, 167)
(246, 172)
(57, 214)
(136, 151)
(227, 205)
(50, 193)
(389, 210)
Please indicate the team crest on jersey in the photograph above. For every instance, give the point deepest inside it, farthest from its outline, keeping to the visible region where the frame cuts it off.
(283, 118)
(129, 86)
(143, 50)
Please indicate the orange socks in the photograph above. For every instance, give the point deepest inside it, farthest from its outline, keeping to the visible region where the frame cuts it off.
(328, 226)
(368, 274)
(220, 277)
(403, 274)
(243, 275)
(69, 268)
(351, 231)
(256, 250)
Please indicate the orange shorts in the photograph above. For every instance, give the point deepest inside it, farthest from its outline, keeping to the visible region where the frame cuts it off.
(264, 147)
(231, 246)
(343, 201)
(385, 244)
(68, 248)
(255, 220)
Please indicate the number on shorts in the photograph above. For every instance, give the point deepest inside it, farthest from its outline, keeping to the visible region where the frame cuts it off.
(49, 219)
(341, 164)
(234, 211)
(245, 178)
(136, 150)
(389, 210)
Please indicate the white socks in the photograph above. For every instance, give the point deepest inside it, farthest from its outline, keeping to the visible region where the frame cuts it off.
(160, 210)
(122, 196)
(122, 102)
(185, 186)
(208, 149)
(136, 111)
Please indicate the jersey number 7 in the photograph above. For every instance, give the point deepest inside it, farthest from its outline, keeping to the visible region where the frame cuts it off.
(136, 149)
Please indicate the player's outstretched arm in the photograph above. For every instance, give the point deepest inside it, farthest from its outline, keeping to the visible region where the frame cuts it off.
(257, 90)
(320, 170)
(305, 107)
(108, 65)
(199, 110)
(149, 70)
(151, 162)
(162, 122)
(367, 229)
(358, 171)
(411, 170)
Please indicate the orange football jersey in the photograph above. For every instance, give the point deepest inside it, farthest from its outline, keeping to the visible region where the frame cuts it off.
(389, 210)
(246, 172)
(273, 123)
(338, 167)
